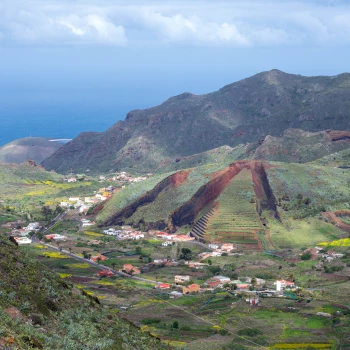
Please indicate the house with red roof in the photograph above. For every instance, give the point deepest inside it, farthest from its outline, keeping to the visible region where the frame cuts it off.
(192, 288)
(105, 273)
(162, 286)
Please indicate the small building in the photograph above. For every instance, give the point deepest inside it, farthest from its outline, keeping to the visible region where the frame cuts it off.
(162, 286)
(175, 294)
(222, 279)
(213, 246)
(283, 284)
(192, 288)
(228, 247)
(131, 270)
(166, 243)
(243, 286)
(252, 300)
(98, 257)
(105, 273)
(179, 279)
(22, 240)
(56, 237)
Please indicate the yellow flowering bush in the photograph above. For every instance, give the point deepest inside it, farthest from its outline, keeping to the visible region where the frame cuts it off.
(56, 255)
(345, 242)
(80, 265)
(302, 346)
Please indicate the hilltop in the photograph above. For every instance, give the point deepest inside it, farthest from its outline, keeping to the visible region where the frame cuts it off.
(34, 148)
(244, 112)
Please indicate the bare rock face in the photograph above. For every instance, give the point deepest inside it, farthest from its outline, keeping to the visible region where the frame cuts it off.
(268, 103)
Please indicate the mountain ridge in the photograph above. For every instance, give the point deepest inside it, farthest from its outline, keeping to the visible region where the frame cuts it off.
(267, 103)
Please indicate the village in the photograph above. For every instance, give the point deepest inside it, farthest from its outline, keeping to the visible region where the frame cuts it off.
(251, 287)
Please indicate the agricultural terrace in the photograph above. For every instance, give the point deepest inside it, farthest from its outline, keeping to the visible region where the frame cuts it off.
(236, 219)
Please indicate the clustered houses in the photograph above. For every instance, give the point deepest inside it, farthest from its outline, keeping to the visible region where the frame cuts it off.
(125, 233)
(85, 204)
(127, 178)
(171, 237)
(24, 231)
(218, 250)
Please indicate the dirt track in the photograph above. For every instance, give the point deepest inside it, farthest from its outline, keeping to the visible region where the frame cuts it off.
(333, 218)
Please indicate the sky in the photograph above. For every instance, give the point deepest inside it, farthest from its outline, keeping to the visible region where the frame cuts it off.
(69, 66)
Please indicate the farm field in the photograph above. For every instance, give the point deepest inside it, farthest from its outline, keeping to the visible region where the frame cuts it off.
(235, 219)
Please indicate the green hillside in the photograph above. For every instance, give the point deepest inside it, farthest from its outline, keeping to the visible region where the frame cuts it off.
(39, 310)
(276, 202)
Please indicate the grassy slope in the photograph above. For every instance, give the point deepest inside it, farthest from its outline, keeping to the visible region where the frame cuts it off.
(341, 158)
(327, 187)
(166, 202)
(128, 195)
(66, 318)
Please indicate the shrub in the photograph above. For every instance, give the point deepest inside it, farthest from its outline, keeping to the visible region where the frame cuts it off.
(250, 332)
(306, 256)
(150, 321)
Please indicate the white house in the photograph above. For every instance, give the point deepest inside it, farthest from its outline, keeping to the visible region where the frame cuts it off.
(22, 240)
(282, 284)
(73, 199)
(213, 246)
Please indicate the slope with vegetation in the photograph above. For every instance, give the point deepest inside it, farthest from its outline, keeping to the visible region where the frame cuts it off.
(244, 112)
(42, 311)
(247, 198)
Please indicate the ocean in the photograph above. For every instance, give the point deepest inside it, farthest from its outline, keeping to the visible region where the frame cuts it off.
(56, 122)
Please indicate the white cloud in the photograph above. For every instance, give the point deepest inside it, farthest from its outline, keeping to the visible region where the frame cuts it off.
(179, 28)
(62, 24)
(235, 23)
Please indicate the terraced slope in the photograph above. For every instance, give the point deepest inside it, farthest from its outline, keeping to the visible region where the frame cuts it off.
(235, 219)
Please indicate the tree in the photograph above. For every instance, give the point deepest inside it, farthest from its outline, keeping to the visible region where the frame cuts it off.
(186, 254)
(138, 250)
(98, 260)
(214, 269)
(58, 209)
(46, 211)
(305, 256)
(113, 266)
(175, 324)
(210, 262)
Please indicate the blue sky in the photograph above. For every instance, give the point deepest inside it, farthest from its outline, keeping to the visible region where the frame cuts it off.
(81, 65)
